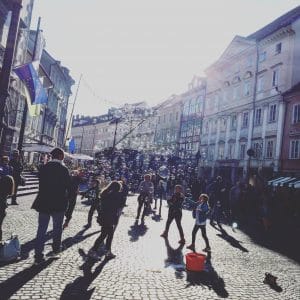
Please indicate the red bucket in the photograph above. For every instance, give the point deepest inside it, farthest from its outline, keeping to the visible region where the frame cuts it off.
(195, 261)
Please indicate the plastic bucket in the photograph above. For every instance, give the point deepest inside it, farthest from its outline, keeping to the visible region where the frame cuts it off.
(195, 261)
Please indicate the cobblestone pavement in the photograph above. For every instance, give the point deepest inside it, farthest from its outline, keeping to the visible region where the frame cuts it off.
(146, 266)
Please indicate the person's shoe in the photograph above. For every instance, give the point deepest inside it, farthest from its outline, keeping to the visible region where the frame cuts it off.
(109, 255)
(191, 247)
(54, 254)
(164, 235)
(182, 241)
(14, 203)
(88, 225)
(94, 255)
(207, 249)
(39, 260)
(66, 224)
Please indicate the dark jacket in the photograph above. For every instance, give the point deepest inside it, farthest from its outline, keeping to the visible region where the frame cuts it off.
(17, 170)
(109, 208)
(54, 186)
(175, 203)
(124, 194)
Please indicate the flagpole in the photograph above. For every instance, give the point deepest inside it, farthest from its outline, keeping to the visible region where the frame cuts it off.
(25, 111)
(72, 112)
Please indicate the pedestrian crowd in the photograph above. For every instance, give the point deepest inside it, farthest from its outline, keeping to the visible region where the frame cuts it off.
(107, 183)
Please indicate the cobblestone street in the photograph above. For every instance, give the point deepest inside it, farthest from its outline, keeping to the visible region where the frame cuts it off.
(146, 266)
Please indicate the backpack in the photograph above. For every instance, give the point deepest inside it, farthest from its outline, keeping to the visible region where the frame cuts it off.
(10, 249)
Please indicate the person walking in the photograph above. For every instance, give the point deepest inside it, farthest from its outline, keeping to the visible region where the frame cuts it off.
(162, 188)
(17, 166)
(51, 201)
(175, 212)
(73, 192)
(146, 190)
(111, 202)
(201, 214)
(94, 191)
(6, 189)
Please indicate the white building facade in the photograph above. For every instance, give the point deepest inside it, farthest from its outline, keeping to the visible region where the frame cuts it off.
(244, 107)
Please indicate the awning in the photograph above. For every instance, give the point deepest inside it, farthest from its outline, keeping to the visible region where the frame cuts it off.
(285, 181)
(37, 148)
(79, 156)
(271, 182)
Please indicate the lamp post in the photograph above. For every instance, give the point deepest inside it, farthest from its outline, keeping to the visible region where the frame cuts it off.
(93, 144)
(116, 121)
(81, 138)
(8, 62)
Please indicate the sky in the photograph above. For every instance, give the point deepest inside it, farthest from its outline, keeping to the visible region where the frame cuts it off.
(143, 50)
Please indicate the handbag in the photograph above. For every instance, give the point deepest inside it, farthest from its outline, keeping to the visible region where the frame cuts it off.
(10, 249)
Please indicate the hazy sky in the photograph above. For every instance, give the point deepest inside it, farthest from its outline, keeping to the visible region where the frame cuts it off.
(144, 50)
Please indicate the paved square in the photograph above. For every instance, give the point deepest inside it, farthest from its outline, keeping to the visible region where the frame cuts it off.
(146, 266)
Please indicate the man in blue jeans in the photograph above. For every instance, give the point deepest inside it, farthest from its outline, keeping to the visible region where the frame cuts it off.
(51, 201)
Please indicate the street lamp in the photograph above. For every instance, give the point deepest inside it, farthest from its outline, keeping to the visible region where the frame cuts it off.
(81, 138)
(93, 144)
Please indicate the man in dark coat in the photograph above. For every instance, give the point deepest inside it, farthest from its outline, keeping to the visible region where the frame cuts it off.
(17, 166)
(51, 201)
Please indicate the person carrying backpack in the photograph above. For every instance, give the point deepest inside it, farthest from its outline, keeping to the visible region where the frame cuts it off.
(201, 214)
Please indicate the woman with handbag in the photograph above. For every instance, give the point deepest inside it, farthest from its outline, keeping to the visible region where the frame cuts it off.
(110, 204)
(7, 187)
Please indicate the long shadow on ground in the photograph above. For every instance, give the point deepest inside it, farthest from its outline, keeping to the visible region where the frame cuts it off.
(282, 239)
(231, 240)
(79, 288)
(175, 259)
(10, 286)
(136, 231)
(209, 277)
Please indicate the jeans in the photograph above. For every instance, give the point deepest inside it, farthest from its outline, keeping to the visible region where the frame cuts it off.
(107, 232)
(203, 231)
(142, 202)
(177, 216)
(43, 222)
(14, 196)
(93, 208)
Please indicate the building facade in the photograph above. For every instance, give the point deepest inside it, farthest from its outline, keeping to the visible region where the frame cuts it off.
(17, 95)
(92, 134)
(124, 127)
(290, 155)
(244, 107)
(191, 118)
(168, 125)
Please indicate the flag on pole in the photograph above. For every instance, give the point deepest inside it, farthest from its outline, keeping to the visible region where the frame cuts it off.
(72, 145)
(28, 74)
